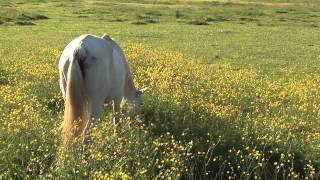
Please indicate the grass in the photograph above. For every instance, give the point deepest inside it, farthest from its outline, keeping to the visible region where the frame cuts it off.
(234, 89)
(248, 24)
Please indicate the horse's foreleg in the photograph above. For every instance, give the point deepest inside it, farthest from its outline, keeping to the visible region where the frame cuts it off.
(116, 111)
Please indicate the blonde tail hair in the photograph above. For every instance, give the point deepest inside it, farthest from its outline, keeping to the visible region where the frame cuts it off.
(76, 114)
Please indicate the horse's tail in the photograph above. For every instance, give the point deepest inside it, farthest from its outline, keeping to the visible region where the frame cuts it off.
(76, 112)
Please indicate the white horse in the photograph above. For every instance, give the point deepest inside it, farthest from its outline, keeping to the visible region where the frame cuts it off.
(92, 70)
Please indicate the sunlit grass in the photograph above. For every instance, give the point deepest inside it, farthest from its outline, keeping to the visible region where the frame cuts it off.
(198, 120)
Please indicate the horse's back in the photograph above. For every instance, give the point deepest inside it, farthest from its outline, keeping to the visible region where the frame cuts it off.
(88, 45)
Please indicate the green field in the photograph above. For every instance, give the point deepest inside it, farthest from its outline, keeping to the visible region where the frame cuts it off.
(234, 89)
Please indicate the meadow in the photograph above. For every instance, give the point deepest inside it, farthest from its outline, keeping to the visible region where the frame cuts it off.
(234, 89)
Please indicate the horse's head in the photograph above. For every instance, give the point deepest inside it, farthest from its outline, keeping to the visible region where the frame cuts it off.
(132, 104)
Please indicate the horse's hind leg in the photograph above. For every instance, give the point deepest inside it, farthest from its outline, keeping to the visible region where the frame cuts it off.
(63, 70)
(96, 85)
(96, 111)
(116, 111)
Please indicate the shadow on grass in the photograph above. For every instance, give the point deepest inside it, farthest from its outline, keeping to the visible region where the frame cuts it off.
(3, 78)
(13, 17)
(147, 18)
(221, 141)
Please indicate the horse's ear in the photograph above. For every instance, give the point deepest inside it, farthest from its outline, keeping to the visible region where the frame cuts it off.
(106, 36)
(141, 91)
(138, 93)
(144, 89)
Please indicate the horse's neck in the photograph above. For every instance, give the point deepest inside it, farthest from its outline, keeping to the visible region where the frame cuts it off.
(130, 89)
